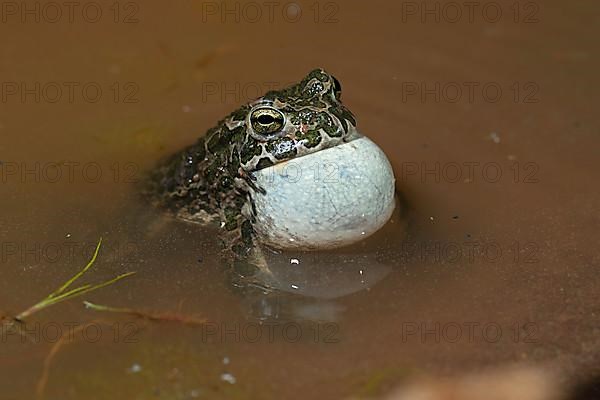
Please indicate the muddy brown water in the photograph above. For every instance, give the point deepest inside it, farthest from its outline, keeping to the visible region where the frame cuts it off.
(490, 121)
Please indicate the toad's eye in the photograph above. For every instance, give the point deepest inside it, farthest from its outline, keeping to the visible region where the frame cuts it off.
(267, 121)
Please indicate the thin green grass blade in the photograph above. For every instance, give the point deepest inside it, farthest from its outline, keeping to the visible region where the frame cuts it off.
(69, 295)
(79, 274)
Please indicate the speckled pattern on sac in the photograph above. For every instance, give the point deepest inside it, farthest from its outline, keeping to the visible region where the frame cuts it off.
(212, 179)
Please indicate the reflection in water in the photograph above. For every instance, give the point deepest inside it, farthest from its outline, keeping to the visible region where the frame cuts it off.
(307, 290)
(304, 285)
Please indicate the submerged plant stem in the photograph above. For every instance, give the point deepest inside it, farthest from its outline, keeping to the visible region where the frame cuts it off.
(157, 317)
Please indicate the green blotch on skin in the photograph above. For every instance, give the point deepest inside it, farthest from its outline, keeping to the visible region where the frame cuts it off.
(326, 122)
(218, 142)
(250, 150)
(316, 73)
(237, 134)
(234, 164)
(342, 113)
(240, 114)
(317, 103)
(211, 170)
(230, 219)
(264, 163)
(226, 182)
(310, 139)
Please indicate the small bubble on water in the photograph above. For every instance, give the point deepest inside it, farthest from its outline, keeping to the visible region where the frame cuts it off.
(225, 360)
(227, 377)
(135, 368)
(295, 286)
(495, 138)
(294, 261)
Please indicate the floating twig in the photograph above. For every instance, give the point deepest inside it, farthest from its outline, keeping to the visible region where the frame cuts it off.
(43, 380)
(156, 317)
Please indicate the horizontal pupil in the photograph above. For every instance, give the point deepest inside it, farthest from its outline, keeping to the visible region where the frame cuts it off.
(265, 119)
